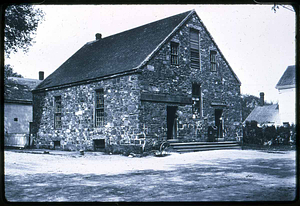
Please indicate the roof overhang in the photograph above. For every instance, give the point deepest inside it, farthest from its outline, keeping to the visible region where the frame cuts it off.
(18, 101)
(286, 86)
(88, 81)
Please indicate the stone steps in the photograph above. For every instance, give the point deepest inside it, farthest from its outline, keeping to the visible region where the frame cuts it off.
(203, 146)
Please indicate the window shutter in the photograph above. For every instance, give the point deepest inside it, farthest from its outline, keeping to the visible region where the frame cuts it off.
(194, 49)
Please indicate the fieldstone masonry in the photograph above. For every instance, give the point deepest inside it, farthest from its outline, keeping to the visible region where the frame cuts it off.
(217, 87)
(136, 103)
(121, 101)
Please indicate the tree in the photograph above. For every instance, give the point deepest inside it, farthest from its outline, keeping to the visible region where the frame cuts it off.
(21, 22)
(8, 72)
(249, 102)
(292, 8)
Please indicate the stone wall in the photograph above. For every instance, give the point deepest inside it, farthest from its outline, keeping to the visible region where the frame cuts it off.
(160, 77)
(121, 103)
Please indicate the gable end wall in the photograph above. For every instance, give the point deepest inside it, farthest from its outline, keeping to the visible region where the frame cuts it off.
(160, 78)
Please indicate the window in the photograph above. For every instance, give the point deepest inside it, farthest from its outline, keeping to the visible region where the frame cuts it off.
(57, 112)
(213, 62)
(174, 53)
(194, 48)
(196, 98)
(99, 110)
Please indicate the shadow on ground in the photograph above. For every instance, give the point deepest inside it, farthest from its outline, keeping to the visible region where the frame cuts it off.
(239, 180)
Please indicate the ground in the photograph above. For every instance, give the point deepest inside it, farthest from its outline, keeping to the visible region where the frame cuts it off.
(220, 175)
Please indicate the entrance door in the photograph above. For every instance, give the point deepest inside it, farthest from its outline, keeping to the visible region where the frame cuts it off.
(171, 122)
(218, 122)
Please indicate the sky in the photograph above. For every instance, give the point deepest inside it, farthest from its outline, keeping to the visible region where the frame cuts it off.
(258, 43)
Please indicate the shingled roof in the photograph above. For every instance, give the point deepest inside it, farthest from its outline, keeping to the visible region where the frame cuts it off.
(288, 79)
(18, 90)
(123, 52)
(267, 114)
(114, 54)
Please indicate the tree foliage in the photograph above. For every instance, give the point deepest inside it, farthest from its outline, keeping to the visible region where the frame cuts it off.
(269, 135)
(21, 22)
(249, 102)
(292, 8)
(8, 72)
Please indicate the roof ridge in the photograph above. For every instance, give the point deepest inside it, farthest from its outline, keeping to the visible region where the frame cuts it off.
(22, 78)
(147, 24)
(170, 22)
(138, 27)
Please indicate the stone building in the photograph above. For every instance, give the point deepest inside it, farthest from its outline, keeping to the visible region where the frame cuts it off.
(167, 80)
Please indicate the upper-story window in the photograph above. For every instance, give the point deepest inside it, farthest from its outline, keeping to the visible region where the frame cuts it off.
(174, 53)
(57, 112)
(196, 98)
(213, 61)
(194, 49)
(99, 109)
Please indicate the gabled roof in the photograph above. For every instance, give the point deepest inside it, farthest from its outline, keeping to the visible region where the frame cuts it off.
(19, 89)
(288, 79)
(265, 114)
(114, 54)
(123, 52)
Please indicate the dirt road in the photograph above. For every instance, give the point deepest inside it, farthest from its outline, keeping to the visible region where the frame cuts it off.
(221, 175)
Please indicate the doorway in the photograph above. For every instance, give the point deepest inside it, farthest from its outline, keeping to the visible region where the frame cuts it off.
(56, 144)
(218, 122)
(171, 122)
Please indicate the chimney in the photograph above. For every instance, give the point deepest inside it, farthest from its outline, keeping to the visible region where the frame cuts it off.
(262, 99)
(41, 75)
(98, 36)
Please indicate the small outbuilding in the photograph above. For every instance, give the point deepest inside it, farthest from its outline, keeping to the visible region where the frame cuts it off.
(264, 115)
(18, 110)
